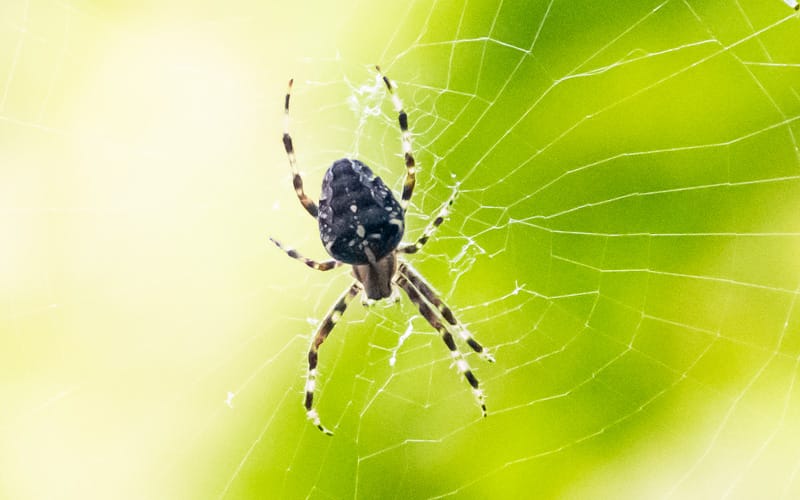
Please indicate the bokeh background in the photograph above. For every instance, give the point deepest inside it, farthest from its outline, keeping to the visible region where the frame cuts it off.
(626, 240)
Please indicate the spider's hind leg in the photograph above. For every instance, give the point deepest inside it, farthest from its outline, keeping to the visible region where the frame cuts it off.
(297, 181)
(408, 155)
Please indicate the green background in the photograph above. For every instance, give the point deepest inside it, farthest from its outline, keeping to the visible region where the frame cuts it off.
(626, 241)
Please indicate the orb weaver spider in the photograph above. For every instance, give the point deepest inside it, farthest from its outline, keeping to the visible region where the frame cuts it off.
(361, 224)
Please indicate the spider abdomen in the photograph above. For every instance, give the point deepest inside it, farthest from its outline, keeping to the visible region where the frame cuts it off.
(360, 221)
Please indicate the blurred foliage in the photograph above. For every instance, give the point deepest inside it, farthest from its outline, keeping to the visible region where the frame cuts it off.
(625, 241)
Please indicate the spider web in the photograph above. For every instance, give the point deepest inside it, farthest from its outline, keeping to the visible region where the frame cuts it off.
(625, 241)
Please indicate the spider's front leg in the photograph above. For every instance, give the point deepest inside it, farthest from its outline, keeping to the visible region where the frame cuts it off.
(427, 313)
(432, 297)
(321, 334)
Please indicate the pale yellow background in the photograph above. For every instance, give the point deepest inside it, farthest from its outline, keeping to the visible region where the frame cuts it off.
(626, 242)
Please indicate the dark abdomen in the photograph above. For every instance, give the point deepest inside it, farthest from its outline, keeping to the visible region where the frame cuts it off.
(360, 221)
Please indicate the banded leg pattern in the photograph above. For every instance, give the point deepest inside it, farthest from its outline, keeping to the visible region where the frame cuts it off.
(432, 297)
(430, 316)
(319, 266)
(408, 155)
(297, 181)
(432, 227)
(321, 334)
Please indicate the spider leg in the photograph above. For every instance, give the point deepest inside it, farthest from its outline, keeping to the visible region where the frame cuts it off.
(431, 296)
(319, 266)
(434, 224)
(402, 118)
(307, 203)
(447, 337)
(321, 334)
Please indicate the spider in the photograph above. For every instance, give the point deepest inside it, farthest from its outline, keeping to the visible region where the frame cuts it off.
(361, 224)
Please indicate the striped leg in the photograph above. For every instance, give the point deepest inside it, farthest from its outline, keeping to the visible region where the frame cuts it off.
(447, 337)
(431, 296)
(309, 205)
(402, 118)
(319, 266)
(313, 353)
(435, 223)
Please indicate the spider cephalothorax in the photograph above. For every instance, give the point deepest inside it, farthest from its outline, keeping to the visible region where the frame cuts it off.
(361, 224)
